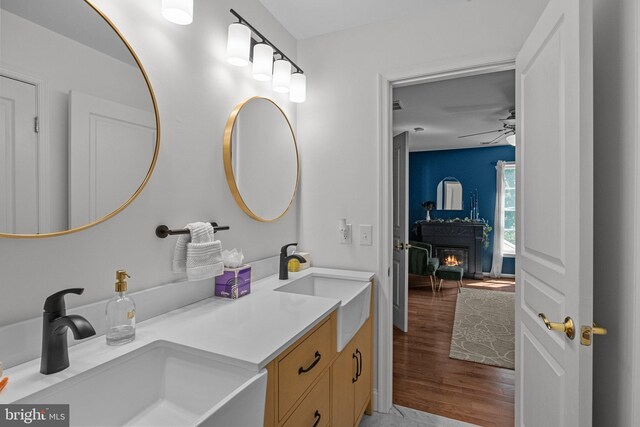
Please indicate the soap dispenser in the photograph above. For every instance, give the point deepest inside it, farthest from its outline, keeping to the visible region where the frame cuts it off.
(121, 314)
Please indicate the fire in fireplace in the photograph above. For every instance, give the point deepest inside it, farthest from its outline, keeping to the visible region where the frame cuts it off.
(453, 256)
(452, 260)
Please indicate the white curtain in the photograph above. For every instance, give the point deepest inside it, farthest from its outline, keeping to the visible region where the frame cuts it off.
(498, 222)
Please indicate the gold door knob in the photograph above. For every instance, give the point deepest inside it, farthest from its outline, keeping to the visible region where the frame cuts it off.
(402, 246)
(568, 327)
(586, 332)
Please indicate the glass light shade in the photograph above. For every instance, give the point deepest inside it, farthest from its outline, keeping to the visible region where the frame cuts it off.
(262, 62)
(238, 44)
(511, 140)
(281, 76)
(178, 11)
(298, 92)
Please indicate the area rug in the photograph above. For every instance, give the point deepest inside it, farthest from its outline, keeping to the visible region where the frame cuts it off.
(484, 328)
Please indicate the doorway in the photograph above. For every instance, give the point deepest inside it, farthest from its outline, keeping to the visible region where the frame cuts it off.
(554, 88)
(454, 340)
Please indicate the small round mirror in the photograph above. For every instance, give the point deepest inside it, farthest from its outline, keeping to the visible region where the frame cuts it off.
(261, 159)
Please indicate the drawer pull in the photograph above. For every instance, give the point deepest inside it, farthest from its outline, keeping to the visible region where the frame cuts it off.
(315, 362)
(353, 380)
(318, 416)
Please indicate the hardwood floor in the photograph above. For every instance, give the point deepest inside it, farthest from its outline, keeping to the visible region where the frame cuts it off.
(425, 378)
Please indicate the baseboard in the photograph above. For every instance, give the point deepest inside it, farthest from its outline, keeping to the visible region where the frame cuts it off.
(505, 275)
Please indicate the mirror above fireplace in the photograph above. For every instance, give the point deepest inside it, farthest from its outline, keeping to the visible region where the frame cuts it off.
(449, 195)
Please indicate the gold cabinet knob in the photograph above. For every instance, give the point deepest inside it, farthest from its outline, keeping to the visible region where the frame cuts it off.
(568, 327)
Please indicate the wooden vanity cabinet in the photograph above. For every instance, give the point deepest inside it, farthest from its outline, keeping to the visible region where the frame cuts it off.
(351, 377)
(310, 384)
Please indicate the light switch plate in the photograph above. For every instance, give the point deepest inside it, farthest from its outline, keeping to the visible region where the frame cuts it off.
(366, 236)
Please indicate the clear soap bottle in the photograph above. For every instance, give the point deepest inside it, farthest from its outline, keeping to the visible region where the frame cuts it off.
(121, 313)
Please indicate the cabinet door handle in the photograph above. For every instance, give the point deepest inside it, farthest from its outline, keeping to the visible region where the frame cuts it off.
(315, 362)
(360, 362)
(318, 416)
(353, 380)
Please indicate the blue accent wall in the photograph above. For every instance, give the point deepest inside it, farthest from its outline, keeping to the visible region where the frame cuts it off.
(476, 169)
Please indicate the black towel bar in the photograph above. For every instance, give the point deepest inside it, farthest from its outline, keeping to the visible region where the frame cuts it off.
(163, 231)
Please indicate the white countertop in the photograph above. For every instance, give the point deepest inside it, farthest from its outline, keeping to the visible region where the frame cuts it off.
(248, 332)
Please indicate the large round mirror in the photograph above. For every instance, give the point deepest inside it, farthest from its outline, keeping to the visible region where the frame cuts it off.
(261, 159)
(79, 131)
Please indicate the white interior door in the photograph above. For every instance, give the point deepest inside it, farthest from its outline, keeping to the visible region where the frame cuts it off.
(400, 231)
(111, 147)
(19, 188)
(554, 98)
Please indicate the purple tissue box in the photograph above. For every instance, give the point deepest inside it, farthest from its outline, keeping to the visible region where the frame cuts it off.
(234, 282)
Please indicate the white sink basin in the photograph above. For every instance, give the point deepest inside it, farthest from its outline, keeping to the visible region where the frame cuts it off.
(161, 384)
(354, 296)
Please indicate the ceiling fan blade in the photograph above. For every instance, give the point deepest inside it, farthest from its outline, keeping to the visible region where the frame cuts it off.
(495, 141)
(480, 133)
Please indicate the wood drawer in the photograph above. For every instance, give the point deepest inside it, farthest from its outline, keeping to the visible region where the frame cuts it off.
(314, 408)
(298, 369)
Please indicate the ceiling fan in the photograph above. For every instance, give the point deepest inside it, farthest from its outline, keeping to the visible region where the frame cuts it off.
(508, 129)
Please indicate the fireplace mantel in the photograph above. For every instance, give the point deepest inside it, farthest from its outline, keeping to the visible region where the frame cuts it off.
(455, 235)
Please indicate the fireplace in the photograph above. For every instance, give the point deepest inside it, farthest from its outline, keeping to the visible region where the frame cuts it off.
(461, 240)
(453, 256)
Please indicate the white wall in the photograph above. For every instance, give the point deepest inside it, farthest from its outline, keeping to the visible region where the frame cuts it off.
(196, 90)
(31, 49)
(338, 124)
(616, 387)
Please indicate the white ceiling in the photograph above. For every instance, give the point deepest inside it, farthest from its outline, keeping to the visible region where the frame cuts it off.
(73, 19)
(310, 18)
(451, 108)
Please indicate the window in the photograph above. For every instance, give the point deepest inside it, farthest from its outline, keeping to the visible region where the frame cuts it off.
(509, 219)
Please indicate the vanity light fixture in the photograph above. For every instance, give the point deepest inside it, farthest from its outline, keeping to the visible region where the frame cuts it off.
(281, 76)
(298, 91)
(238, 44)
(262, 62)
(242, 36)
(178, 11)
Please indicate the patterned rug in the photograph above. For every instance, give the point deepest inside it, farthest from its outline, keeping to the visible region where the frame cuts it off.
(484, 328)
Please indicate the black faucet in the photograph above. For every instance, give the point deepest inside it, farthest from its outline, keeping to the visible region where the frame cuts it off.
(284, 261)
(55, 322)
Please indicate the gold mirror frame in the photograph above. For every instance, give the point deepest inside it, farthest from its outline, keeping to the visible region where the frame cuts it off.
(228, 167)
(155, 152)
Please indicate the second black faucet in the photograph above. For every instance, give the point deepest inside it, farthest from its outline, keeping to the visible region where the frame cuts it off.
(284, 261)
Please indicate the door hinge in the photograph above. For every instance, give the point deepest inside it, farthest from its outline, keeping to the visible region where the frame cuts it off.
(36, 124)
(389, 272)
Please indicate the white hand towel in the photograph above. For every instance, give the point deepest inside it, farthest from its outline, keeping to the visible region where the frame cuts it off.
(204, 254)
(197, 253)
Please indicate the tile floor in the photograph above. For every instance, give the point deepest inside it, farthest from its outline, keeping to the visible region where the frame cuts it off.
(407, 417)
